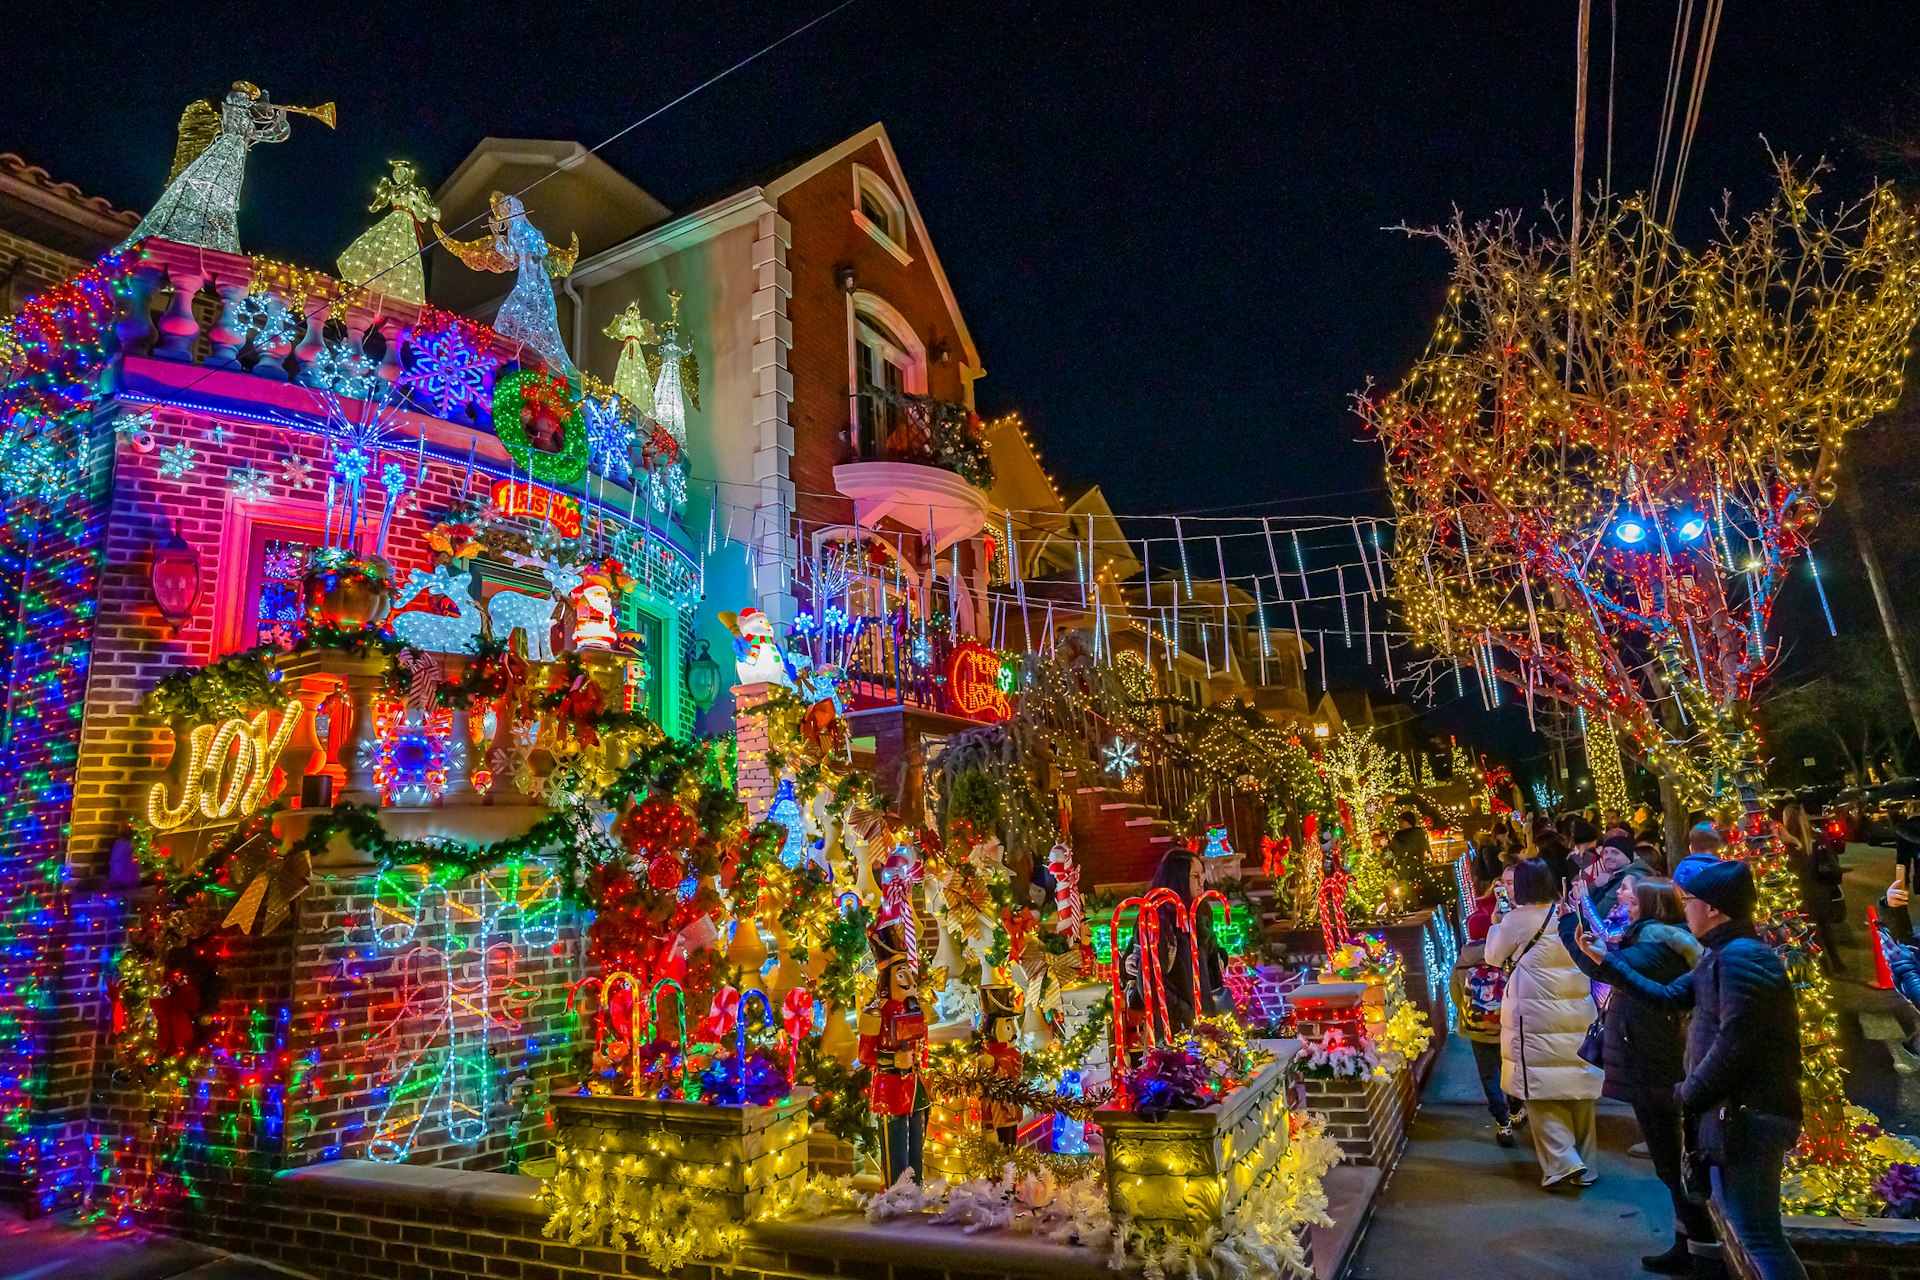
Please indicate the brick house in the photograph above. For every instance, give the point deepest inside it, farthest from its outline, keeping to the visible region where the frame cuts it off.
(49, 230)
(837, 369)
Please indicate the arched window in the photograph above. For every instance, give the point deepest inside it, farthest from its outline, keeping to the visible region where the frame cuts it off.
(888, 360)
(877, 209)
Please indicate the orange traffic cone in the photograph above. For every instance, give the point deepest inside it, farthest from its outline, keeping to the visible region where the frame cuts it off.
(1882, 976)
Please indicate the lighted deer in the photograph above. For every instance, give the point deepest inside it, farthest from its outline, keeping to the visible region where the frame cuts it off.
(511, 611)
(432, 631)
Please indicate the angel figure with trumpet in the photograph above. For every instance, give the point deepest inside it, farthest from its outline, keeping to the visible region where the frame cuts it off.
(202, 201)
(513, 243)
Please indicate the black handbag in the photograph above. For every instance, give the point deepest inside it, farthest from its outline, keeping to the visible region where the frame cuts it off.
(1593, 1049)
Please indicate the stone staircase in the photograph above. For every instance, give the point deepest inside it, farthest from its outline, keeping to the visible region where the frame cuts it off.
(1118, 841)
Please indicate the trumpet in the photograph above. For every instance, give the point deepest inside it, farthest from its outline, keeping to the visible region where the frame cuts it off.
(324, 113)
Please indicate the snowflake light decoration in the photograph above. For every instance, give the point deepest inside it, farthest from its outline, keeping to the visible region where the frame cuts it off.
(667, 487)
(177, 459)
(250, 484)
(394, 477)
(342, 370)
(1120, 758)
(134, 424)
(296, 472)
(352, 465)
(34, 464)
(263, 321)
(610, 437)
(446, 368)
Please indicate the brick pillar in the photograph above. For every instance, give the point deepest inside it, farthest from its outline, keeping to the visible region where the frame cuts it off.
(756, 778)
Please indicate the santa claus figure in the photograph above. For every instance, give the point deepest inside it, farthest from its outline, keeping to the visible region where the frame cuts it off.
(593, 612)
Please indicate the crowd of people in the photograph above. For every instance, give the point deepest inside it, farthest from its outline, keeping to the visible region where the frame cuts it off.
(1589, 970)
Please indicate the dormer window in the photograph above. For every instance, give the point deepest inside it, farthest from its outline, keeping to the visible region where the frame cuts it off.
(879, 212)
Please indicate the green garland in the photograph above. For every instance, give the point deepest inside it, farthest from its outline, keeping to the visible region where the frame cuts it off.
(237, 685)
(510, 396)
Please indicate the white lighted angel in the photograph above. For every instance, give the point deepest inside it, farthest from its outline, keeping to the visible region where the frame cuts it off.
(513, 243)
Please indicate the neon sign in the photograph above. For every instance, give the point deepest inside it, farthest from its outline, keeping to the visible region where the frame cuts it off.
(520, 498)
(973, 682)
(227, 768)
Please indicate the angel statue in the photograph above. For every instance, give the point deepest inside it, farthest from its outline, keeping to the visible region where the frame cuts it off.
(512, 243)
(676, 375)
(632, 380)
(386, 257)
(202, 198)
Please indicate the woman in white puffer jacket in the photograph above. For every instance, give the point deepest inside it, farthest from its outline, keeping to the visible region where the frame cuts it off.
(1545, 1015)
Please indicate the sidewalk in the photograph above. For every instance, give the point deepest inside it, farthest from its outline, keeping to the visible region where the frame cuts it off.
(58, 1249)
(1459, 1205)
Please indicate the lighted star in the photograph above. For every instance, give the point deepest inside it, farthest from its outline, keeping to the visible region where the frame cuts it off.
(1121, 758)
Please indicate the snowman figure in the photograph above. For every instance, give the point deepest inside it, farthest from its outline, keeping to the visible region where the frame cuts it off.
(756, 653)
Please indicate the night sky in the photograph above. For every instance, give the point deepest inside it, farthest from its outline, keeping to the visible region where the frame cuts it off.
(1164, 223)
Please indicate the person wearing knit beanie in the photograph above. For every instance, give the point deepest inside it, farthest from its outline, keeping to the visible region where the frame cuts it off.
(1727, 887)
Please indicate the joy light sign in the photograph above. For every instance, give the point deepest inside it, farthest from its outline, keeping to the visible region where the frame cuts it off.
(520, 498)
(226, 770)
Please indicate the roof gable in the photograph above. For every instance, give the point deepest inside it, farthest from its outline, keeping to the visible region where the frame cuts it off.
(876, 133)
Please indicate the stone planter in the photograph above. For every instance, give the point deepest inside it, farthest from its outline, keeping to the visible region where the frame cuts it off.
(1188, 1170)
(1836, 1249)
(746, 1156)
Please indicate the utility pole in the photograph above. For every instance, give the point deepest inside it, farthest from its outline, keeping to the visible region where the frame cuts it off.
(1882, 598)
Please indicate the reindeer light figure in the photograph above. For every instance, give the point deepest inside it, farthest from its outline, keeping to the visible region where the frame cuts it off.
(432, 631)
(511, 611)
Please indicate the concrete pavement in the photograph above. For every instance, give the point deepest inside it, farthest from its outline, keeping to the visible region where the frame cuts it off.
(1459, 1205)
(59, 1249)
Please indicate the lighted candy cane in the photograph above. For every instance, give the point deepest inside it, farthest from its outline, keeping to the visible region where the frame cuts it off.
(653, 1027)
(796, 1020)
(1226, 921)
(1153, 985)
(740, 1038)
(605, 989)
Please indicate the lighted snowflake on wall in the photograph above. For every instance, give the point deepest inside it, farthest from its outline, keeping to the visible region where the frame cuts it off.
(446, 368)
(250, 484)
(296, 472)
(610, 437)
(344, 371)
(1120, 758)
(177, 459)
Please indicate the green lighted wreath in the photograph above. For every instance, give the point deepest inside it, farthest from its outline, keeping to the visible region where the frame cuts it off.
(526, 390)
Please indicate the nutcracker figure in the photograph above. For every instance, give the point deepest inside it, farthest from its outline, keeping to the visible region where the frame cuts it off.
(893, 1032)
(999, 1036)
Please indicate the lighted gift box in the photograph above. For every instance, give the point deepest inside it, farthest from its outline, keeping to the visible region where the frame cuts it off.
(741, 1158)
(1187, 1170)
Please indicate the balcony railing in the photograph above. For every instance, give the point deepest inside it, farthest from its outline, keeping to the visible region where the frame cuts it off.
(929, 432)
(373, 750)
(285, 324)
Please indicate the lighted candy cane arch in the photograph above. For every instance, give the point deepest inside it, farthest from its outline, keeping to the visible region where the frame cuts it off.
(1153, 985)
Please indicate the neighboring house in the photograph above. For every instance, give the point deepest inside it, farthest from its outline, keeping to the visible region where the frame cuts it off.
(833, 439)
(49, 230)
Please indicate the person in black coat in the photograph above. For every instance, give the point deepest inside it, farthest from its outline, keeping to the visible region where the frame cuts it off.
(1645, 1050)
(1743, 1057)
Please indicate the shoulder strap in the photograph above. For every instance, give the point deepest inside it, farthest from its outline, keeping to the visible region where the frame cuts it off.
(1513, 961)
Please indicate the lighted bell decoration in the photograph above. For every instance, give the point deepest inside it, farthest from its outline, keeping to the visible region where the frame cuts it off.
(703, 678)
(176, 579)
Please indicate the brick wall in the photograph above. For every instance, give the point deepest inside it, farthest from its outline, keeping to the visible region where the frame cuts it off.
(345, 1039)
(825, 238)
(48, 567)
(1367, 1117)
(1836, 1249)
(28, 268)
